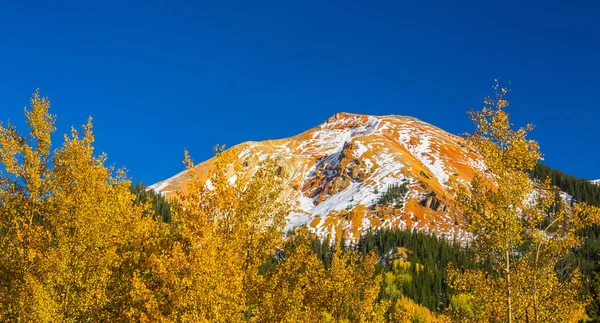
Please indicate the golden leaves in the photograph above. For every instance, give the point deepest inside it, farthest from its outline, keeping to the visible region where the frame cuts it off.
(64, 218)
(301, 288)
(41, 123)
(520, 227)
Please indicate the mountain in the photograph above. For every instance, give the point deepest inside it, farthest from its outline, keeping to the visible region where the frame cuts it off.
(342, 170)
(596, 181)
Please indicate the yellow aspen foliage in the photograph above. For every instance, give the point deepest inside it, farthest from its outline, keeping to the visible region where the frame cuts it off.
(293, 292)
(519, 227)
(301, 289)
(63, 217)
(205, 266)
(406, 311)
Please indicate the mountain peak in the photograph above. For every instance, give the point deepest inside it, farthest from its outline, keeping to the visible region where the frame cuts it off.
(341, 170)
(343, 115)
(357, 116)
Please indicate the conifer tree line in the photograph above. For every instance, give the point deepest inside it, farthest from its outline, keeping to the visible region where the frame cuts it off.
(78, 243)
(161, 206)
(581, 189)
(395, 195)
(424, 255)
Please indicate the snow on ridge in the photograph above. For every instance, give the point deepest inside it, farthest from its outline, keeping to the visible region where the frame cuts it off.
(369, 128)
(361, 149)
(357, 193)
(332, 141)
(439, 172)
(244, 153)
(566, 197)
(158, 187)
(209, 184)
(424, 153)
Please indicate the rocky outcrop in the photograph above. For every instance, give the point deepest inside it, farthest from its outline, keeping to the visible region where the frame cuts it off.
(334, 173)
(434, 203)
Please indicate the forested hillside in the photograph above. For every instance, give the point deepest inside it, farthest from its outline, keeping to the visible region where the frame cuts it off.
(413, 263)
(587, 258)
(581, 189)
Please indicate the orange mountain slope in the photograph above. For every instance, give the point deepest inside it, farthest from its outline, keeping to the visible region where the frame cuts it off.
(340, 169)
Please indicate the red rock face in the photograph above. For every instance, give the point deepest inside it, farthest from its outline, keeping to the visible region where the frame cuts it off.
(339, 170)
(335, 175)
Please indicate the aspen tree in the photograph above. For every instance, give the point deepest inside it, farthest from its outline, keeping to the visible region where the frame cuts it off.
(204, 267)
(301, 289)
(516, 226)
(63, 216)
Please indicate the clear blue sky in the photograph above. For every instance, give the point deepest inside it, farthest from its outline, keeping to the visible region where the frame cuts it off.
(159, 77)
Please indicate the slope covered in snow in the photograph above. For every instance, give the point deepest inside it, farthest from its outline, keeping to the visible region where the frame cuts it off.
(340, 169)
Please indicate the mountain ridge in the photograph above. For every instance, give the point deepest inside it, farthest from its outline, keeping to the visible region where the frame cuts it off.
(340, 169)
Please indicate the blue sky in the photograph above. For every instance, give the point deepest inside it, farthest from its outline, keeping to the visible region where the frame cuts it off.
(158, 77)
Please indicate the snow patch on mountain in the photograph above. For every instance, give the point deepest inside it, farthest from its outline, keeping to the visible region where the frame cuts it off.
(160, 186)
(425, 153)
(360, 150)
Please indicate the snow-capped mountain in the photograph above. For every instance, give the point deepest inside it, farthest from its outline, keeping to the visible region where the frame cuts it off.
(596, 181)
(340, 169)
